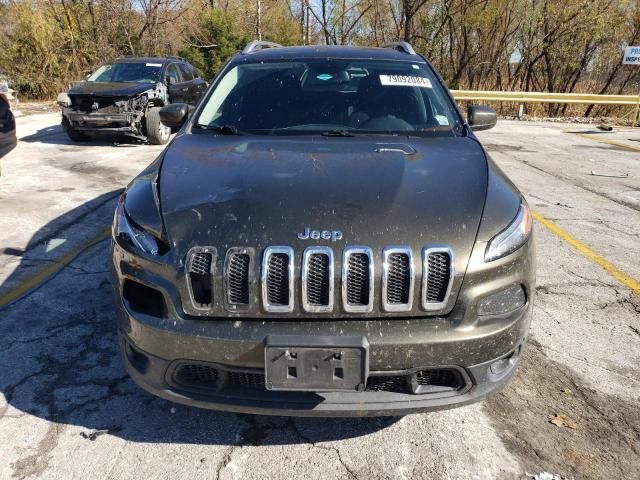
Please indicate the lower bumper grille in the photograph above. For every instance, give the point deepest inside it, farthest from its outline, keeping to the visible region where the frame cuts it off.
(437, 380)
(197, 375)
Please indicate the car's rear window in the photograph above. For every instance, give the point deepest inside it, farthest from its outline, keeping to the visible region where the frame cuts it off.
(303, 97)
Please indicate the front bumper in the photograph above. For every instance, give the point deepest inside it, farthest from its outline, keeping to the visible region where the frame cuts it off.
(127, 123)
(154, 374)
(154, 346)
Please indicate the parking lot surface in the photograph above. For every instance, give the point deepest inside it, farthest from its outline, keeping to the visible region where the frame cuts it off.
(68, 410)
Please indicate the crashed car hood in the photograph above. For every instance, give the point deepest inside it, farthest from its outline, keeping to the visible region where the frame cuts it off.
(258, 191)
(103, 89)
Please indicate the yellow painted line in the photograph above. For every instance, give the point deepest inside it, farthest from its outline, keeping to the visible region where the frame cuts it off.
(51, 269)
(614, 271)
(608, 141)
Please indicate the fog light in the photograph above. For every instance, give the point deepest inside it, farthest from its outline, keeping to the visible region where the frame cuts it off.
(500, 366)
(504, 301)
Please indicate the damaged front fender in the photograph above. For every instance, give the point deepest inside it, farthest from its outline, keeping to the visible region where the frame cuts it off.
(142, 202)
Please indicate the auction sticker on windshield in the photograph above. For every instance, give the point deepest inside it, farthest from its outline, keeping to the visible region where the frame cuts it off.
(405, 81)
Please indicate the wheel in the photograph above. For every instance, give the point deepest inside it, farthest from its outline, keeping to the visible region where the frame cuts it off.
(157, 132)
(72, 133)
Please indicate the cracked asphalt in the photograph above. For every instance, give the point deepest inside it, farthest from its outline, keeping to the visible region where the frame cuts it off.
(68, 410)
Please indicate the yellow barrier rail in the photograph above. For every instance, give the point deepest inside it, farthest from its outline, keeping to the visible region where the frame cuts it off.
(546, 97)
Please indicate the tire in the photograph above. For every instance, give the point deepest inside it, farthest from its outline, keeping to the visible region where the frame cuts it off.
(72, 133)
(157, 133)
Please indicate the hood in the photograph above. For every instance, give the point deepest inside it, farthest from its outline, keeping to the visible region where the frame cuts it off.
(102, 89)
(231, 191)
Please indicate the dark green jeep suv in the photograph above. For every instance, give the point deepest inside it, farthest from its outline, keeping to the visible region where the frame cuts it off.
(324, 236)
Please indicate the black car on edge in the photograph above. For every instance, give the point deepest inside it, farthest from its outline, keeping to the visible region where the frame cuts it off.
(324, 236)
(8, 139)
(125, 97)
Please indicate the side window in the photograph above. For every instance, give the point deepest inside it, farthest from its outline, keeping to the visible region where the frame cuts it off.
(186, 72)
(173, 76)
(194, 71)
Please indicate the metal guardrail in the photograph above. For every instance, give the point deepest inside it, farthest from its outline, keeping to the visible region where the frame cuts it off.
(545, 97)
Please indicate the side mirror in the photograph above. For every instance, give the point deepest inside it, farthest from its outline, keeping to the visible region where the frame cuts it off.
(174, 115)
(481, 117)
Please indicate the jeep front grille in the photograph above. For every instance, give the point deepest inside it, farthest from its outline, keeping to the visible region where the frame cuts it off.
(399, 286)
(317, 279)
(437, 277)
(357, 279)
(397, 279)
(277, 279)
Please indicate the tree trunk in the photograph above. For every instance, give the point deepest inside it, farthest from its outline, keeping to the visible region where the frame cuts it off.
(259, 19)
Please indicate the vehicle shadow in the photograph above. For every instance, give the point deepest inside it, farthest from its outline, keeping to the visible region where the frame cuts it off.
(55, 135)
(61, 360)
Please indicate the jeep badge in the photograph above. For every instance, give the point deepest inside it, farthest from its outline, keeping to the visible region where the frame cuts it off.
(333, 235)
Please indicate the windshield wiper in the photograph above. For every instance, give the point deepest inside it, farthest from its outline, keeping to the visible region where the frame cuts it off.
(337, 133)
(221, 129)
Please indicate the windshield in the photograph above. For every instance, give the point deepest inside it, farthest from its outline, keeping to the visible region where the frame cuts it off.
(127, 72)
(331, 97)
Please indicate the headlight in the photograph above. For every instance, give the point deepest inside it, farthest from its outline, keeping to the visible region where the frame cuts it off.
(512, 237)
(123, 228)
(64, 100)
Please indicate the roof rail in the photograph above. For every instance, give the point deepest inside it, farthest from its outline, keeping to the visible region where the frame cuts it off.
(403, 47)
(172, 57)
(256, 45)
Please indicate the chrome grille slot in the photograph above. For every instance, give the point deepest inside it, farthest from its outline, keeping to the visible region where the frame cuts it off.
(237, 278)
(317, 279)
(397, 279)
(277, 279)
(357, 279)
(200, 270)
(437, 277)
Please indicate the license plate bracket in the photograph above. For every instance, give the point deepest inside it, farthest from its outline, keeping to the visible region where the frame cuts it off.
(316, 364)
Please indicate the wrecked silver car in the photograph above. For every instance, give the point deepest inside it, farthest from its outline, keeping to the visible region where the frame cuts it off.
(125, 97)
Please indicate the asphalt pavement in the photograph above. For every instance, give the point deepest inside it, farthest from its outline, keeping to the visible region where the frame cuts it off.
(69, 411)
